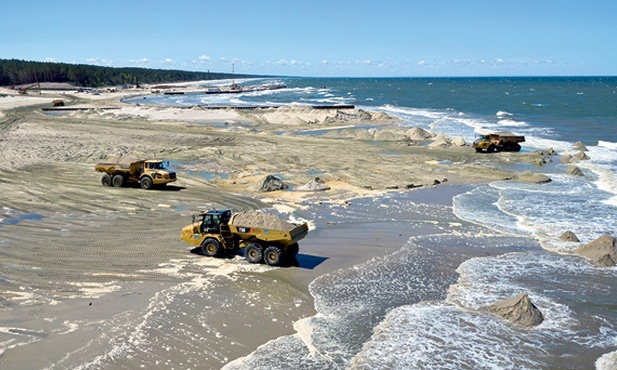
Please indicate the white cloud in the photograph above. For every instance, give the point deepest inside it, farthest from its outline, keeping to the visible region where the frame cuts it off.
(100, 61)
(204, 58)
(52, 60)
(169, 61)
(139, 61)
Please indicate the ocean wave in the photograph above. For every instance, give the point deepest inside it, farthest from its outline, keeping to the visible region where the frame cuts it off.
(512, 123)
(439, 336)
(607, 144)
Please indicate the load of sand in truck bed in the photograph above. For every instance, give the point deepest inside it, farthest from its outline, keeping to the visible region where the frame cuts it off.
(260, 220)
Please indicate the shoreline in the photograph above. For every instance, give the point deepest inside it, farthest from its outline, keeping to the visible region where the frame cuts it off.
(112, 260)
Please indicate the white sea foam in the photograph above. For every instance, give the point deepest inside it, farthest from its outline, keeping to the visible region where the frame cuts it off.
(503, 113)
(512, 123)
(608, 361)
(441, 336)
(607, 144)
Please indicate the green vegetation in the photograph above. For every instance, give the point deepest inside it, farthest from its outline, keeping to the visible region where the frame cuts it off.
(18, 72)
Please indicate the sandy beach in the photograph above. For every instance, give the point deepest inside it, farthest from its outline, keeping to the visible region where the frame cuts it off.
(97, 277)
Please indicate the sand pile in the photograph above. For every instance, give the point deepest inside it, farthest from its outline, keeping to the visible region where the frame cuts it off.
(574, 171)
(569, 236)
(389, 135)
(441, 141)
(261, 220)
(419, 134)
(581, 156)
(313, 185)
(579, 146)
(532, 177)
(272, 183)
(602, 251)
(519, 310)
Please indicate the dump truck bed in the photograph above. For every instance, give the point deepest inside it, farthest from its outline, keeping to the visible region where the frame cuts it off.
(120, 166)
(507, 138)
(267, 227)
(282, 237)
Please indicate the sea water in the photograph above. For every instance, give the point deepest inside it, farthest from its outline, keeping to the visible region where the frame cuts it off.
(363, 322)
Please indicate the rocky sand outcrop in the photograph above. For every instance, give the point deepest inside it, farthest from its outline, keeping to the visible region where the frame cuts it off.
(602, 251)
(518, 310)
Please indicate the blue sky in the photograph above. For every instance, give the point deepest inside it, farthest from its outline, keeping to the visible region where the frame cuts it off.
(320, 38)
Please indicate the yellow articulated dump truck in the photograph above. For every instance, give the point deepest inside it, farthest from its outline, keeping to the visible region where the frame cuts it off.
(501, 141)
(263, 236)
(147, 173)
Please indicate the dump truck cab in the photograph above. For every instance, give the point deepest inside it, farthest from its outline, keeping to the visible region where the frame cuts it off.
(211, 221)
(158, 171)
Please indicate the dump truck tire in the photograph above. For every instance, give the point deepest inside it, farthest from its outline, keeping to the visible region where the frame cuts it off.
(210, 247)
(293, 250)
(146, 183)
(517, 147)
(491, 149)
(118, 181)
(253, 253)
(272, 256)
(106, 180)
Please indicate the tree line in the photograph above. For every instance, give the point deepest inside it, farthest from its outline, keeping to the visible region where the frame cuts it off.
(19, 72)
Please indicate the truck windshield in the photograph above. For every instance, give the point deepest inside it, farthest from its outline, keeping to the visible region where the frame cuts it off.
(157, 165)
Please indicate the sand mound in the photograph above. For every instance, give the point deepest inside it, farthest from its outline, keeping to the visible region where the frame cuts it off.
(261, 220)
(314, 185)
(566, 159)
(574, 171)
(418, 133)
(362, 134)
(381, 116)
(459, 141)
(604, 260)
(346, 116)
(532, 177)
(272, 183)
(519, 310)
(388, 135)
(442, 141)
(579, 146)
(598, 250)
(581, 156)
(569, 236)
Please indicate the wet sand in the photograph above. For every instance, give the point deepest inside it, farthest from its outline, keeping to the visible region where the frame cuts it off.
(96, 277)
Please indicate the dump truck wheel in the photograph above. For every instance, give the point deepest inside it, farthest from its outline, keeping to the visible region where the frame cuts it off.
(293, 249)
(517, 147)
(106, 180)
(491, 149)
(272, 256)
(118, 181)
(253, 253)
(146, 183)
(210, 247)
